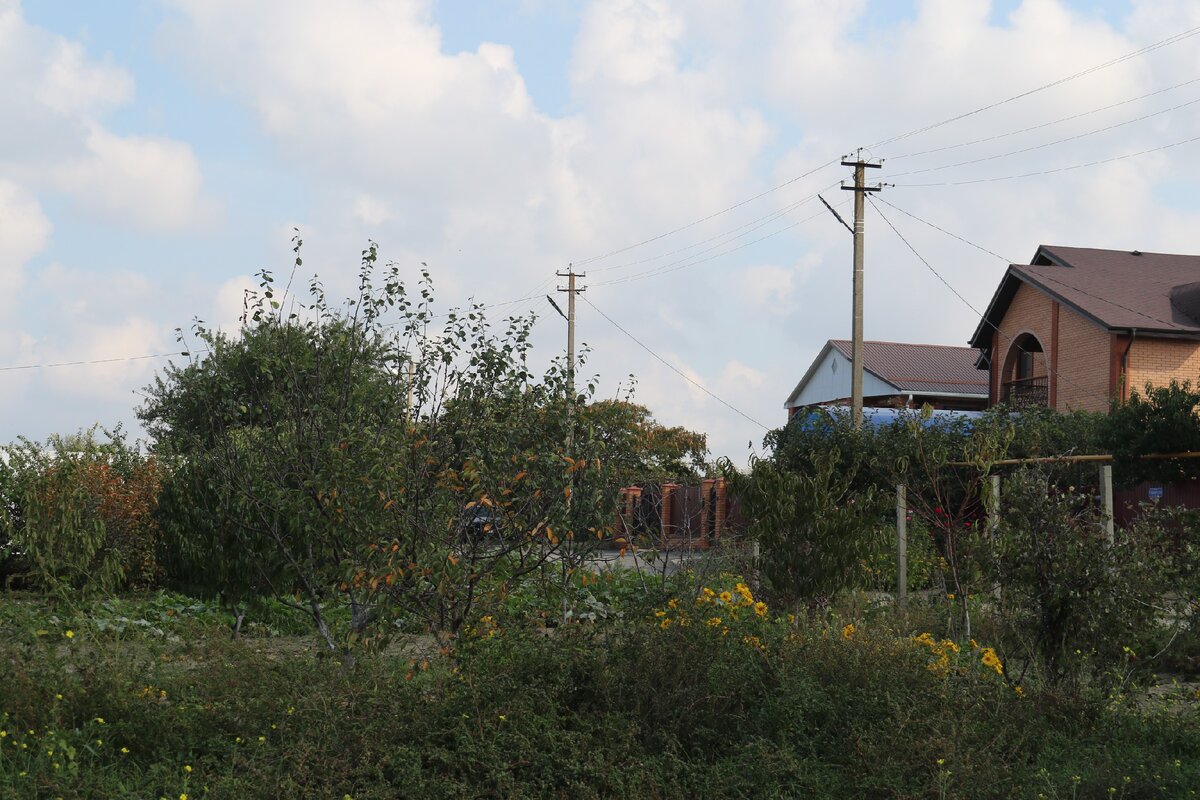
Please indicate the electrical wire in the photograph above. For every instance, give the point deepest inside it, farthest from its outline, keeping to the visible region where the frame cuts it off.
(1038, 276)
(1170, 40)
(714, 215)
(1051, 171)
(1043, 124)
(1031, 148)
(686, 263)
(752, 226)
(673, 368)
(1050, 370)
(95, 361)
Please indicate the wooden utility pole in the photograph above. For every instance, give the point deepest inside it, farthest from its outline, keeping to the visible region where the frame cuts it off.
(571, 290)
(860, 189)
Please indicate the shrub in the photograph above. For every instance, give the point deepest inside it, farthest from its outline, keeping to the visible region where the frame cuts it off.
(80, 510)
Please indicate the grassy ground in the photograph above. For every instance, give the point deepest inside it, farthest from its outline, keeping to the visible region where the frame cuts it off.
(149, 697)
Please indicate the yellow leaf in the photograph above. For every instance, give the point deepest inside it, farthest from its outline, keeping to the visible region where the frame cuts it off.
(452, 559)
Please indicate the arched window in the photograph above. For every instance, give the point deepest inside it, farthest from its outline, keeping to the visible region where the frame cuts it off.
(1025, 380)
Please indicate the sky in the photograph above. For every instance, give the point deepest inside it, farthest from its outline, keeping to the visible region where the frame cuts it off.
(156, 154)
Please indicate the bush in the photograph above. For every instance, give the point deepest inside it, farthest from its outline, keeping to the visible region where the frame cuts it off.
(80, 511)
(1071, 600)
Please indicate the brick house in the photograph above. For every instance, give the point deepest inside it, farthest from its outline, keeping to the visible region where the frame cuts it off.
(895, 375)
(1077, 327)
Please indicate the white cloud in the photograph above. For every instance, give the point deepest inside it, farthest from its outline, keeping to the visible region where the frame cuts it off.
(54, 99)
(148, 182)
(24, 232)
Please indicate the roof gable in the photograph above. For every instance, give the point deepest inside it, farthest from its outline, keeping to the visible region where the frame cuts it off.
(901, 368)
(1116, 289)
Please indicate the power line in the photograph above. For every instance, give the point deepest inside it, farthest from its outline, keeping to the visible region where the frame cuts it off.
(94, 361)
(759, 196)
(983, 317)
(748, 227)
(1039, 276)
(1052, 171)
(1031, 148)
(1170, 40)
(674, 369)
(685, 263)
(1043, 124)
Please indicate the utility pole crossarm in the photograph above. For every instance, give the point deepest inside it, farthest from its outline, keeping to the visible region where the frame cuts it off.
(860, 189)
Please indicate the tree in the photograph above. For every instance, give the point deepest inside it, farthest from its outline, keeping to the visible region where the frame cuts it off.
(79, 511)
(365, 457)
(647, 451)
(1161, 419)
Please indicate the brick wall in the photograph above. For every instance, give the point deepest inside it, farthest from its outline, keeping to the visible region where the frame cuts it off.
(1160, 360)
(1083, 363)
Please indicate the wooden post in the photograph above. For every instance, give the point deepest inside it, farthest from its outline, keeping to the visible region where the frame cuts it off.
(901, 545)
(1106, 497)
(993, 511)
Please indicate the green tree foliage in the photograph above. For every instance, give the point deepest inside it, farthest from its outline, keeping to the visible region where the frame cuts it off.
(645, 450)
(815, 530)
(1070, 597)
(1161, 419)
(76, 512)
(373, 457)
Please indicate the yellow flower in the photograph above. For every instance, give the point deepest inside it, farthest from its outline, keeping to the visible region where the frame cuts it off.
(848, 631)
(950, 596)
(949, 645)
(941, 761)
(666, 623)
(69, 634)
(1020, 692)
(187, 768)
(760, 608)
(3, 734)
(58, 697)
(183, 796)
(744, 590)
(726, 597)
(672, 603)
(714, 622)
(99, 720)
(262, 739)
(992, 661)
(125, 750)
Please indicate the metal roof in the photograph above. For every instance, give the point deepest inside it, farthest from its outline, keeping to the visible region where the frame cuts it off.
(921, 368)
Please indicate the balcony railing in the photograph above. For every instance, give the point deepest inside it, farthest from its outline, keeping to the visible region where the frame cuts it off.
(1027, 392)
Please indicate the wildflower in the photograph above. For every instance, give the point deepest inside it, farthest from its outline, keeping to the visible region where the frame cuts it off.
(707, 595)
(992, 661)
(925, 639)
(672, 603)
(58, 697)
(125, 751)
(291, 710)
(713, 622)
(744, 591)
(949, 645)
(974, 645)
(726, 597)
(99, 720)
(99, 743)
(660, 613)
(791, 619)
(503, 718)
(950, 596)
(262, 739)
(187, 768)
(183, 796)
(848, 631)
(1020, 692)
(941, 762)
(760, 608)
(69, 634)
(3, 734)
(666, 623)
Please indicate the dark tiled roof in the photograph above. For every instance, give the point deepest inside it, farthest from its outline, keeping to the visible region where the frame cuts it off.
(922, 368)
(1117, 289)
